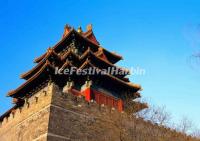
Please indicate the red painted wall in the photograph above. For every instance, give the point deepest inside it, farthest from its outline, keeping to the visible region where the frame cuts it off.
(102, 98)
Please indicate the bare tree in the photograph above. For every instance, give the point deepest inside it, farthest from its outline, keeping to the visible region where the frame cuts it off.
(185, 125)
(196, 133)
(157, 115)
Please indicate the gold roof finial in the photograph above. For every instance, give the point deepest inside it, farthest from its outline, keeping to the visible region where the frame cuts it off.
(89, 27)
(79, 29)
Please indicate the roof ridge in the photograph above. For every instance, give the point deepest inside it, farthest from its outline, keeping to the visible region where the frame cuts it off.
(47, 64)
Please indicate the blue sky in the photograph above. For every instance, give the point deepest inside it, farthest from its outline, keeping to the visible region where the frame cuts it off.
(159, 36)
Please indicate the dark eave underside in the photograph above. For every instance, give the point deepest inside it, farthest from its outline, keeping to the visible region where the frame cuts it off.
(103, 64)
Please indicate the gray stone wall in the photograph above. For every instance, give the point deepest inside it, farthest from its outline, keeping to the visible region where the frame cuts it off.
(58, 116)
(29, 123)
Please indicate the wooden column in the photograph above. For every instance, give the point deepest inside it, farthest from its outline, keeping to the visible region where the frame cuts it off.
(86, 90)
(120, 105)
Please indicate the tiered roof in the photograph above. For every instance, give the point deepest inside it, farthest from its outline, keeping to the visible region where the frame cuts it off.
(76, 49)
